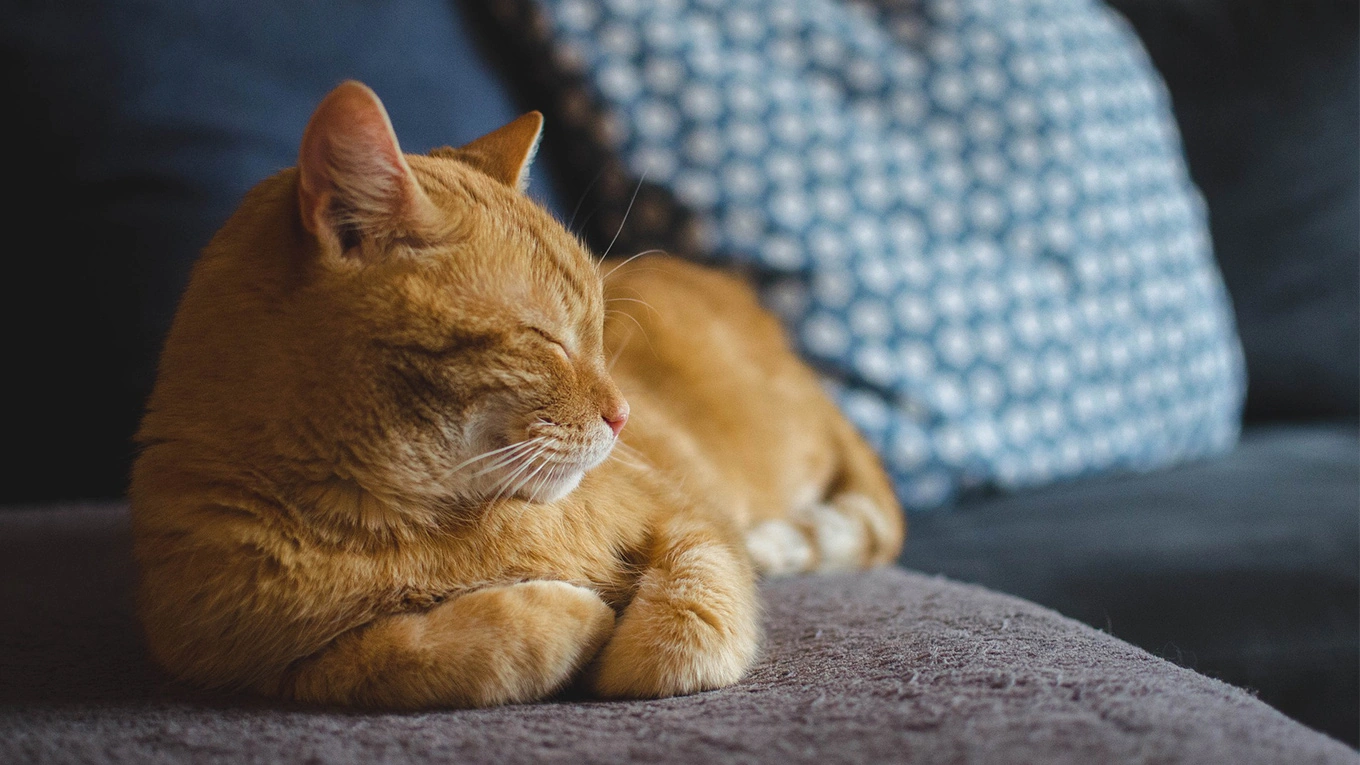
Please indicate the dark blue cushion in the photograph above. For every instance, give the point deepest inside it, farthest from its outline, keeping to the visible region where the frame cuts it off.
(1267, 95)
(135, 128)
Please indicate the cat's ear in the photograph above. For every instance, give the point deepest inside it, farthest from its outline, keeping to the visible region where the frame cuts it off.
(353, 180)
(505, 153)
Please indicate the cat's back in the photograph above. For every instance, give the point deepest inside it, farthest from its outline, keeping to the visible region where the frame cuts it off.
(720, 397)
(217, 368)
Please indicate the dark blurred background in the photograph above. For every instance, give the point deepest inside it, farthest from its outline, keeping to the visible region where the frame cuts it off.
(134, 127)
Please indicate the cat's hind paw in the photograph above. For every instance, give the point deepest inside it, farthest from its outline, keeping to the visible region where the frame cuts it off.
(779, 548)
(841, 535)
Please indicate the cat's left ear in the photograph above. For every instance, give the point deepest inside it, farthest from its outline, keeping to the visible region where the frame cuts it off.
(353, 180)
(506, 153)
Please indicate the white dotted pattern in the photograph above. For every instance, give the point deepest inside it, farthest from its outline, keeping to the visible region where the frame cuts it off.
(972, 214)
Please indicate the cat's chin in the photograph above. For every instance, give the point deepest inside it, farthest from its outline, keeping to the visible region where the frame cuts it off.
(557, 489)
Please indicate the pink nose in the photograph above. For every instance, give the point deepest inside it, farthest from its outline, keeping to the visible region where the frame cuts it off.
(616, 418)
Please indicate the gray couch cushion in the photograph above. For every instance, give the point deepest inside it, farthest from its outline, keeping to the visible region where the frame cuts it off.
(887, 666)
(1244, 568)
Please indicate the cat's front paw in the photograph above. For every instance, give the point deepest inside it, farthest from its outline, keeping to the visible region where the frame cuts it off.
(672, 648)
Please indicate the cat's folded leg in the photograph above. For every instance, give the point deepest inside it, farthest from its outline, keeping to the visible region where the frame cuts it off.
(858, 524)
(693, 623)
(499, 645)
(863, 493)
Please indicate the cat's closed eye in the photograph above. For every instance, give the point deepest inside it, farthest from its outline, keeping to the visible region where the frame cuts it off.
(552, 340)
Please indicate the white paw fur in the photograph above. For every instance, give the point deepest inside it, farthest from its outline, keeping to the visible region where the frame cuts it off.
(839, 538)
(778, 547)
(875, 521)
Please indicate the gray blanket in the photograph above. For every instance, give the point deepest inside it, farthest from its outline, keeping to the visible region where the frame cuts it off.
(886, 666)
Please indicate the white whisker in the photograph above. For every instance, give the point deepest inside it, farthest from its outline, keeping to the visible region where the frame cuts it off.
(619, 350)
(528, 478)
(626, 212)
(543, 479)
(582, 200)
(628, 260)
(643, 303)
(487, 454)
(619, 458)
(504, 483)
(496, 488)
(509, 458)
(620, 448)
(506, 459)
(639, 326)
(629, 316)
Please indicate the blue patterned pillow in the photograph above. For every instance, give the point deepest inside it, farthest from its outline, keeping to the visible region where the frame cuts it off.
(973, 215)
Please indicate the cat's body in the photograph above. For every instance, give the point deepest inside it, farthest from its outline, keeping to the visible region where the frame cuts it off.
(377, 465)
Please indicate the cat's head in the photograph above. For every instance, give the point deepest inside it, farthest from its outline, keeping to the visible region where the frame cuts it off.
(446, 331)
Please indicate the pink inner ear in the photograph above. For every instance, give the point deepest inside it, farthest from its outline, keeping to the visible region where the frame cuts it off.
(313, 184)
(350, 153)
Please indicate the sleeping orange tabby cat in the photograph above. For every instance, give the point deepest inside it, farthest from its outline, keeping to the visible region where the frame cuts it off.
(381, 465)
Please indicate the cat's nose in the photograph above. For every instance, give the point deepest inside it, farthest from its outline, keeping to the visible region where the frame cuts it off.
(616, 416)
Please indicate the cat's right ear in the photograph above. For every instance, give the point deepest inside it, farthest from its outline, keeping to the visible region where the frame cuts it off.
(353, 181)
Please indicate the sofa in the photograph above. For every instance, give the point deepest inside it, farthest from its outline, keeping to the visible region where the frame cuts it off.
(883, 666)
(1206, 612)
(1243, 567)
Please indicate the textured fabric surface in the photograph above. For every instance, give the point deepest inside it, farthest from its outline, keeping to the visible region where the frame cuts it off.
(974, 216)
(1267, 95)
(888, 666)
(1245, 568)
(136, 127)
